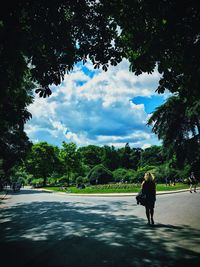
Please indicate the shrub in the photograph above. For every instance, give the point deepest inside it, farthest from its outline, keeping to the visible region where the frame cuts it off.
(37, 182)
(162, 172)
(19, 174)
(79, 180)
(29, 179)
(131, 176)
(51, 181)
(124, 175)
(166, 171)
(119, 174)
(64, 180)
(86, 180)
(100, 175)
(184, 173)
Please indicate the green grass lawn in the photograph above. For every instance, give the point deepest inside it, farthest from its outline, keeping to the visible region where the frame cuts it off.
(115, 188)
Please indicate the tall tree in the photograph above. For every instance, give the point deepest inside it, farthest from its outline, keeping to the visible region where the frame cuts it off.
(42, 161)
(14, 143)
(110, 158)
(91, 155)
(152, 156)
(135, 157)
(125, 157)
(70, 157)
(177, 124)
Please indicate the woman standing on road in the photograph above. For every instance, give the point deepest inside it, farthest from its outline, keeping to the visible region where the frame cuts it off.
(149, 189)
(193, 182)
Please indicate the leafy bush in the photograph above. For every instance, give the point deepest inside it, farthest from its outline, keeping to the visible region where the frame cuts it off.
(29, 179)
(184, 173)
(100, 175)
(55, 175)
(119, 174)
(124, 175)
(86, 180)
(64, 180)
(147, 168)
(79, 180)
(52, 181)
(19, 174)
(162, 172)
(131, 176)
(166, 171)
(37, 182)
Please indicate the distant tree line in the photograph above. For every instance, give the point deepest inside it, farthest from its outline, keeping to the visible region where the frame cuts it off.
(50, 165)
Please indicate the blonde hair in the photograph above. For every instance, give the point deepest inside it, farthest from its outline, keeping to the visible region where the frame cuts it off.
(149, 176)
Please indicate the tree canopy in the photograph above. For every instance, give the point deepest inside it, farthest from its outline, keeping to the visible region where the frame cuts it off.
(52, 36)
(178, 125)
(14, 142)
(162, 33)
(42, 160)
(47, 38)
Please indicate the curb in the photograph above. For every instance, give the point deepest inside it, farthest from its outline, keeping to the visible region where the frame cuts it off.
(114, 194)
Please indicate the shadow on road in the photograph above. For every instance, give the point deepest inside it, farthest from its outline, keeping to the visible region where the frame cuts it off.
(159, 225)
(76, 235)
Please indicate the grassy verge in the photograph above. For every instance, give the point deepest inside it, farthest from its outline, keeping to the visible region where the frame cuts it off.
(115, 188)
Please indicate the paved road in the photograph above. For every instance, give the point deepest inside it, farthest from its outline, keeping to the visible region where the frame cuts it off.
(49, 229)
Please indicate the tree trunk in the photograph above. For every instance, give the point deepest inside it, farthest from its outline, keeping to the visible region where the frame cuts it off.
(45, 182)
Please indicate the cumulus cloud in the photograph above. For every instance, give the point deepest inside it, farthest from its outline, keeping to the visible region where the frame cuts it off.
(95, 107)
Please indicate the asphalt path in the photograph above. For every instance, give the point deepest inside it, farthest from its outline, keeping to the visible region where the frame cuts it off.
(39, 228)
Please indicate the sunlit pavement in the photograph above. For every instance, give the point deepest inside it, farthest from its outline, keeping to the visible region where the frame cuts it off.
(39, 228)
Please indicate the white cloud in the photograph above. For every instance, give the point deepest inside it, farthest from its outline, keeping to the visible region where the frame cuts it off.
(42, 108)
(118, 84)
(58, 125)
(144, 146)
(95, 108)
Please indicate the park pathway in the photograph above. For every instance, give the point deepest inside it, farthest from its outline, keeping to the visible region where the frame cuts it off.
(39, 228)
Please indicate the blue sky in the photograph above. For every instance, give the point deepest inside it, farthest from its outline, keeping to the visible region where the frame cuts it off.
(96, 107)
(150, 103)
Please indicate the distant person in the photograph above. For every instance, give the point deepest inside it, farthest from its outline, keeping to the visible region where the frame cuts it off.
(167, 182)
(173, 181)
(193, 182)
(13, 186)
(149, 189)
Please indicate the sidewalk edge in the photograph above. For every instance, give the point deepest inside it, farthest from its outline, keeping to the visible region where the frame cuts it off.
(114, 194)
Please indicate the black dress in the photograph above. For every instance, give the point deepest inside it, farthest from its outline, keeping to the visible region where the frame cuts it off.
(149, 189)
